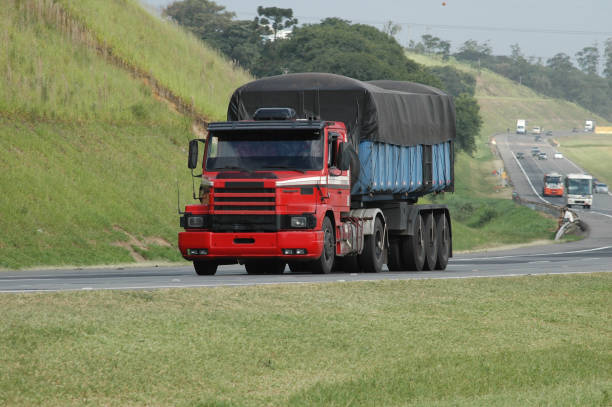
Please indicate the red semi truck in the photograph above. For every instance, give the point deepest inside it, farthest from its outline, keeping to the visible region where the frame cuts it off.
(323, 172)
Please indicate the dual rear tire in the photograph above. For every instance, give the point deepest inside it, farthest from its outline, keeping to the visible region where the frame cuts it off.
(428, 248)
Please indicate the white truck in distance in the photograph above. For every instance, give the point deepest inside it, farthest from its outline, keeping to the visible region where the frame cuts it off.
(520, 126)
(589, 126)
(578, 190)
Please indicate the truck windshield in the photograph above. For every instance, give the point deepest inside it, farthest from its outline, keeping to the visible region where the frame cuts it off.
(265, 151)
(579, 186)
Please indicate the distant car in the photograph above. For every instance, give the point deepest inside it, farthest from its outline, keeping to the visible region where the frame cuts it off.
(558, 155)
(535, 151)
(600, 188)
(536, 130)
(520, 155)
(574, 130)
(542, 156)
(549, 132)
(537, 138)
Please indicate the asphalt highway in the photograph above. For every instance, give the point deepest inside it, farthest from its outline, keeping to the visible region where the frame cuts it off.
(592, 254)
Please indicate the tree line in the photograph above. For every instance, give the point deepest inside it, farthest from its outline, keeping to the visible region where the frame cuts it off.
(556, 77)
(334, 45)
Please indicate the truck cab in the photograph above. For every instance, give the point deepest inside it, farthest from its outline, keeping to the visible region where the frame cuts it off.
(272, 191)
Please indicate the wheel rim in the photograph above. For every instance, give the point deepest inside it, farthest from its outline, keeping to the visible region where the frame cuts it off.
(379, 244)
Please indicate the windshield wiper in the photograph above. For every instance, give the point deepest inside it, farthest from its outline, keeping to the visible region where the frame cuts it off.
(283, 167)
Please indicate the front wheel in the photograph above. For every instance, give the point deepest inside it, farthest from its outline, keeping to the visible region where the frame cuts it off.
(325, 263)
(204, 267)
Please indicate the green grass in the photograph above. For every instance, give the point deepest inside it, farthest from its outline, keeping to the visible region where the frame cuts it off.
(503, 101)
(592, 152)
(512, 341)
(197, 73)
(70, 191)
(89, 158)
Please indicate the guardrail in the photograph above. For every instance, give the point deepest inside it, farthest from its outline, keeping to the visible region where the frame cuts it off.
(568, 220)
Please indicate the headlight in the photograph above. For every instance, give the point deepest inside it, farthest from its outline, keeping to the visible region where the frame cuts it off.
(298, 221)
(195, 221)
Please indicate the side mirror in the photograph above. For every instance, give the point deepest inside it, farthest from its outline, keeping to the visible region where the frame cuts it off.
(344, 157)
(192, 161)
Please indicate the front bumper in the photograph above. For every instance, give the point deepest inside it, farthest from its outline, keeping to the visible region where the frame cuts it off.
(251, 245)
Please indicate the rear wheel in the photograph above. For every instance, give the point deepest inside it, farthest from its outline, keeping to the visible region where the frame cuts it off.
(204, 267)
(324, 264)
(431, 242)
(265, 266)
(444, 242)
(372, 257)
(413, 247)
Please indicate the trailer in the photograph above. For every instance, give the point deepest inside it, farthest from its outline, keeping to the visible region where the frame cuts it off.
(323, 172)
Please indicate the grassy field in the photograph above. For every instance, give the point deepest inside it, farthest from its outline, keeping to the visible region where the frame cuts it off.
(511, 341)
(592, 152)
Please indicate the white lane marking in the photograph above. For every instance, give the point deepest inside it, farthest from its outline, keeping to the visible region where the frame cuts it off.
(538, 262)
(528, 180)
(602, 214)
(411, 277)
(534, 254)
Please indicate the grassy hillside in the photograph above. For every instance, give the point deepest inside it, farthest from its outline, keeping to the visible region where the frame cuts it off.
(592, 152)
(88, 157)
(503, 101)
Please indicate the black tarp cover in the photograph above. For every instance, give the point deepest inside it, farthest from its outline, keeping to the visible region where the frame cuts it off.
(394, 112)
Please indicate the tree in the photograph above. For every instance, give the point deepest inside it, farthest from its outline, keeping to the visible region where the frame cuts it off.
(275, 17)
(454, 81)
(607, 71)
(204, 18)
(588, 59)
(469, 123)
(473, 51)
(391, 29)
(337, 46)
(240, 40)
(560, 62)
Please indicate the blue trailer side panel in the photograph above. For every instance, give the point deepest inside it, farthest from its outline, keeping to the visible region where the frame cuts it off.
(391, 169)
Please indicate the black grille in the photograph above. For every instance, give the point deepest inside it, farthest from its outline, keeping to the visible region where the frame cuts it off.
(245, 223)
(250, 198)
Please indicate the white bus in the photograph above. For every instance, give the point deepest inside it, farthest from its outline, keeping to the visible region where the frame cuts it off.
(520, 126)
(578, 190)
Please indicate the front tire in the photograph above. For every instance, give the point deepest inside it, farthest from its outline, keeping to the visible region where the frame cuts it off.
(325, 263)
(205, 267)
